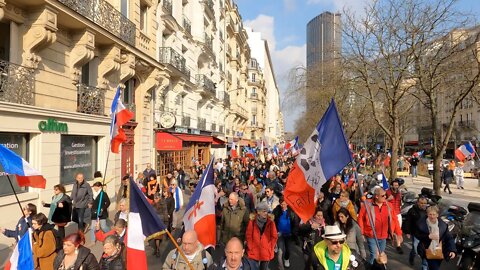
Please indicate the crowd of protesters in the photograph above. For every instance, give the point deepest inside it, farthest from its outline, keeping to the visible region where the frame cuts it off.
(354, 220)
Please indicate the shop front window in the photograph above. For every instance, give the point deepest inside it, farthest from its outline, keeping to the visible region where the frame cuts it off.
(166, 161)
(78, 154)
(16, 142)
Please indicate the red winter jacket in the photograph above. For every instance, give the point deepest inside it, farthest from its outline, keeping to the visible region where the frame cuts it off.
(261, 247)
(396, 201)
(382, 218)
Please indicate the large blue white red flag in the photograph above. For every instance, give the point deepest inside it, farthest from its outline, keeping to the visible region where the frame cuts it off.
(275, 150)
(22, 256)
(26, 175)
(200, 211)
(464, 151)
(120, 116)
(323, 155)
(143, 222)
(233, 151)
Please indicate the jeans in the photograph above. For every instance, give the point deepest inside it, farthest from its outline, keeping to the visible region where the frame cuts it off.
(103, 226)
(81, 218)
(372, 248)
(284, 243)
(414, 171)
(415, 242)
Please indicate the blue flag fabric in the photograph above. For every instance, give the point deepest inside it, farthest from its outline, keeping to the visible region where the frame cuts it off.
(385, 184)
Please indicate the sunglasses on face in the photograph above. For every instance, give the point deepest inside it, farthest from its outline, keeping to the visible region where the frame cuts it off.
(336, 242)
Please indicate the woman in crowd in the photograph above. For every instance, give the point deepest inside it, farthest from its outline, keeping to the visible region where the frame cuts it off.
(343, 202)
(436, 242)
(350, 227)
(74, 256)
(44, 244)
(168, 197)
(122, 212)
(311, 233)
(60, 209)
(152, 187)
(104, 204)
(112, 257)
(23, 223)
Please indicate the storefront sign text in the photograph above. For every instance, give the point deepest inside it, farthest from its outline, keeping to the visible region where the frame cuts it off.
(52, 125)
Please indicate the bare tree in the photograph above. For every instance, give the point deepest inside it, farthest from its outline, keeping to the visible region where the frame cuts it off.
(379, 66)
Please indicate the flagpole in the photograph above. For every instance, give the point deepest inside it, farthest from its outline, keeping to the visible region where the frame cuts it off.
(369, 214)
(16, 197)
(179, 249)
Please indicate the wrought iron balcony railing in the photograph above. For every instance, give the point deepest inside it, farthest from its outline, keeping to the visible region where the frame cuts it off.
(90, 100)
(186, 121)
(187, 25)
(173, 58)
(206, 83)
(106, 16)
(202, 123)
(167, 5)
(17, 83)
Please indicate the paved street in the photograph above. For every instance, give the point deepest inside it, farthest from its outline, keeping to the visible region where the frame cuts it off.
(396, 261)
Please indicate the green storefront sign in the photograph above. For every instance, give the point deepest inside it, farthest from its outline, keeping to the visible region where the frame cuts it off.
(52, 125)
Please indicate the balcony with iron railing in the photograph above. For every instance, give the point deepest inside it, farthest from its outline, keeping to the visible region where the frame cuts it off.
(202, 123)
(239, 110)
(206, 83)
(168, 7)
(106, 16)
(187, 25)
(17, 83)
(186, 121)
(90, 99)
(169, 56)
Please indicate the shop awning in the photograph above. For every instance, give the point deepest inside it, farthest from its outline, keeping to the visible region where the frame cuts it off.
(194, 138)
(245, 142)
(167, 142)
(217, 141)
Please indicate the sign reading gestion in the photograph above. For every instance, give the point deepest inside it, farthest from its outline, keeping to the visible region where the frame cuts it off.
(167, 142)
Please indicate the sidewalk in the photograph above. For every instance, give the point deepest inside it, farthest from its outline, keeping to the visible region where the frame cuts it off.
(471, 188)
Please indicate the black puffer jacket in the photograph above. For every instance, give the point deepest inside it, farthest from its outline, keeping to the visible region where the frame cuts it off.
(85, 259)
(114, 262)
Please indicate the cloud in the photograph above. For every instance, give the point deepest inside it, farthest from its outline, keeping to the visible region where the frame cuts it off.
(289, 5)
(283, 59)
(265, 25)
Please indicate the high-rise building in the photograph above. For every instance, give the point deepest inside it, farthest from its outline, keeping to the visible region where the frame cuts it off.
(324, 41)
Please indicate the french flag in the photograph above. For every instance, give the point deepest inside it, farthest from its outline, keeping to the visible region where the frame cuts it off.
(464, 151)
(323, 155)
(120, 116)
(26, 175)
(143, 223)
(385, 184)
(275, 151)
(250, 152)
(233, 151)
(200, 211)
(291, 143)
(22, 256)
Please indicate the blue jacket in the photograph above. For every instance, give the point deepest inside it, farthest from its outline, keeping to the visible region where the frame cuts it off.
(20, 229)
